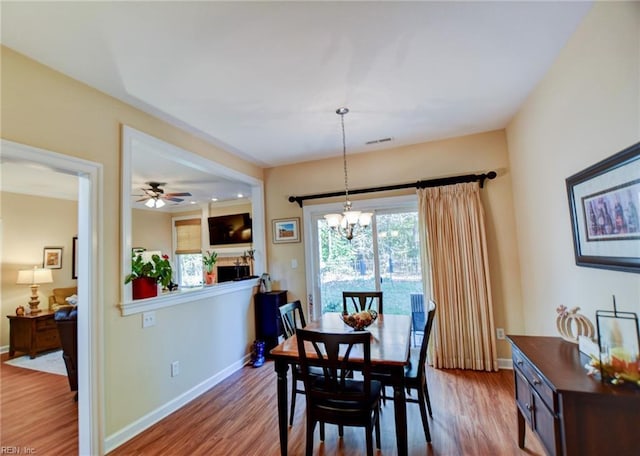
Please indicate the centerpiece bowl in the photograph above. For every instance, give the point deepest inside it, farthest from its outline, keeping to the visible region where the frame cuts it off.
(360, 320)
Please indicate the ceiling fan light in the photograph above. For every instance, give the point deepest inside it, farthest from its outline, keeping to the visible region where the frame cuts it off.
(150, 202)
(159, 203)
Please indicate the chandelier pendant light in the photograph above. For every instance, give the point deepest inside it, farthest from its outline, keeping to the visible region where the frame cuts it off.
(346, 222)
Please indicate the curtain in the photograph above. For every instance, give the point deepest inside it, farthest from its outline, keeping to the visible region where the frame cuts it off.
(452, 221)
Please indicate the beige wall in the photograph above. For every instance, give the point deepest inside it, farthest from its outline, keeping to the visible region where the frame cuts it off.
(45, 109)
(585, 109)
(29, 224)
(152, 230)
(469, 154)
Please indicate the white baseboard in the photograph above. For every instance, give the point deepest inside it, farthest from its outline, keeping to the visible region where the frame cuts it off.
(123, 435)
(4, 349)
(505, 363)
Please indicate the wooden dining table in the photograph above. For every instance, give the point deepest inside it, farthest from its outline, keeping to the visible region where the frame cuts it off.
(390, 344)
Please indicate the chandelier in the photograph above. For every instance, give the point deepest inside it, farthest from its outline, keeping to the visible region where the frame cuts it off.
(346, 222)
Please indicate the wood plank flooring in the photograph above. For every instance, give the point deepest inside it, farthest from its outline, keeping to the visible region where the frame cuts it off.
(37, 412)
(473, 414)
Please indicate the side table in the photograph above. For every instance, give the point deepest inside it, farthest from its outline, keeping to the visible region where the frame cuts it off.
(33, 333)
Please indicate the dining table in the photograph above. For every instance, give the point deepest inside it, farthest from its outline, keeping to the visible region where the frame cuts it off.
(390, 345)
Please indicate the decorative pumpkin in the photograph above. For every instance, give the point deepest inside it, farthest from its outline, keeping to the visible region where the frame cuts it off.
(571, 324)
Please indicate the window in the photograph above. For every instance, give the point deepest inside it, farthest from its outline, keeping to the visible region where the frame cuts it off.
(189, 270)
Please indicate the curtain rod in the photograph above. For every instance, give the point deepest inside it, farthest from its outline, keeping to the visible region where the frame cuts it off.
(419, 184)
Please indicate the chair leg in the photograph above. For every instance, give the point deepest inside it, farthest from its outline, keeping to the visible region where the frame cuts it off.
(426, 392)
(369, 439)
(340, 431)
(377, 428)
(321, 431)
(423, 414)
(311, 425)
(294, 385)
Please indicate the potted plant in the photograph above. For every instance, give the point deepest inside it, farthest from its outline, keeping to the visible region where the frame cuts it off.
(209, 260)
(146, 274)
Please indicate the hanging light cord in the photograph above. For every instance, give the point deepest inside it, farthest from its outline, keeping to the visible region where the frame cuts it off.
(342, 112)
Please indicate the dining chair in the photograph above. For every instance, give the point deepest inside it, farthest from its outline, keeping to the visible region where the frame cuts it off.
(415, 376)
(292, 318)
(417, 315)
(333, 398)
(356, 301)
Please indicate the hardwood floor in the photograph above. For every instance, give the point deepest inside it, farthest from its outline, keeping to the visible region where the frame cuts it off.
(473, 414)
(37, 412)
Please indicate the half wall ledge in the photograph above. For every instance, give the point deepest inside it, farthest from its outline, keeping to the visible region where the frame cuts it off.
(175, 298)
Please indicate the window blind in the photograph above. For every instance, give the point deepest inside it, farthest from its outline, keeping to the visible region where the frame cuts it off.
(188, 236)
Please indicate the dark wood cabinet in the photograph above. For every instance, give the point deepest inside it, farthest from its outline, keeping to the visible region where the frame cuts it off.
(33, 333)
(572, 413)
(268, 326)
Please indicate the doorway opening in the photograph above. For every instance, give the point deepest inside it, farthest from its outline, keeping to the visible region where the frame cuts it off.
(89, 174)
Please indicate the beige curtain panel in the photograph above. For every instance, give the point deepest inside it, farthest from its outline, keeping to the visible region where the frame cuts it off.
(452, 218)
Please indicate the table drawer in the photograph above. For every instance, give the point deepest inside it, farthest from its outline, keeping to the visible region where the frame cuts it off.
(537, 382)
(47, 339)
(48, 324)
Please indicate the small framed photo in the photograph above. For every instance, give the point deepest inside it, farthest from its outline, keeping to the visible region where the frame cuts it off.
(52, 258)
(604, 202)
(286, 230)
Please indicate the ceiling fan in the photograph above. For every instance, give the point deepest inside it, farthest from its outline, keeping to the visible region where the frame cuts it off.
(154, 195)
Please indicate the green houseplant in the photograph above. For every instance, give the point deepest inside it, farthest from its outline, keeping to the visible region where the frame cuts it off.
(145, 274)
(209, 260)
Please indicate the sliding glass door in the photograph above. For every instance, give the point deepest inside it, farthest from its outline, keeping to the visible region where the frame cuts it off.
(383, 257)
(398, 253)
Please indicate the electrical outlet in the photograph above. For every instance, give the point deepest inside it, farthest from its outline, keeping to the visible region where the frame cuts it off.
(148, 319)
(175, 368)
(500, 333)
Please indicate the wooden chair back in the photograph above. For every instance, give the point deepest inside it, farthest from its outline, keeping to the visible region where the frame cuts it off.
(425, 338)
(292, 318)
(331, 352)
(357, 301)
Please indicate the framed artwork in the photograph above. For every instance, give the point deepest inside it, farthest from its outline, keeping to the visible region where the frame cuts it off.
(74, 265)
(604, 202)
(286, 230)
(52, 258)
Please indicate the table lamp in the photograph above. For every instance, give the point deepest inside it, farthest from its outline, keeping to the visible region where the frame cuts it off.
(34, 277)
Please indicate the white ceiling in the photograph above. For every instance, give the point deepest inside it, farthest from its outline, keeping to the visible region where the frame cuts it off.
(263, 79)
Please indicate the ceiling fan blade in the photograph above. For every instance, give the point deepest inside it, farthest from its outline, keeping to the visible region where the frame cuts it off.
(177, 200)
(169, 195)
(143, 199)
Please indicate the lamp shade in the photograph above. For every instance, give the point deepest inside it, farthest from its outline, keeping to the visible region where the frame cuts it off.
(34, 276)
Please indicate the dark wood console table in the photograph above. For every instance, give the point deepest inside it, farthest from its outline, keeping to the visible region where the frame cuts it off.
(33, 333)
(571, 412)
